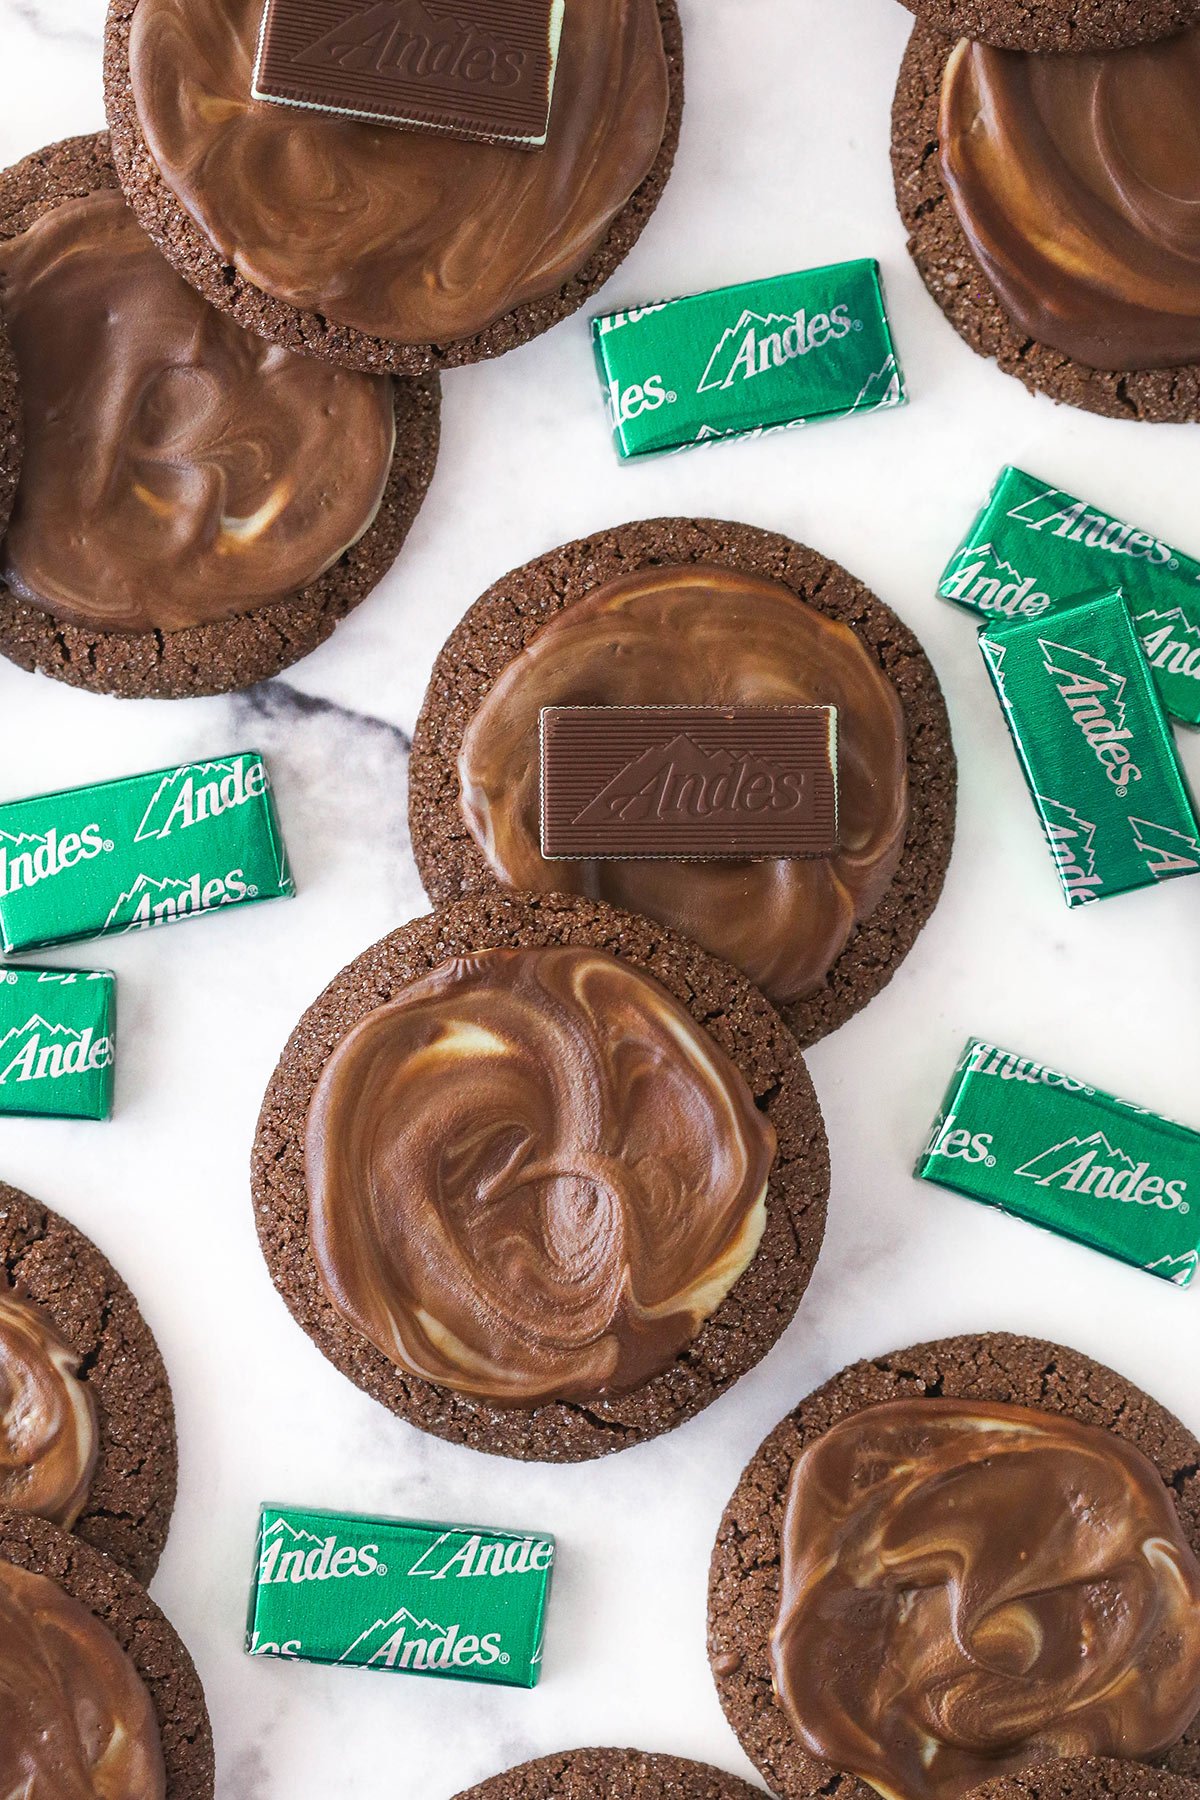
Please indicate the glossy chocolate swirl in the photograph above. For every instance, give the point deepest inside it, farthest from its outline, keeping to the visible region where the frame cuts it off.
(969, 1588)
(49, 1433)
(406, 235)
(76, 1721)
(703, 636)
(177, 470)
(533, 1176)
(1077, 182)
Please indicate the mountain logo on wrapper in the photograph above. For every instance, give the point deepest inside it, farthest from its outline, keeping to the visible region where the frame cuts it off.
(1081, 524)
(405, 1641)
(27, 858)
(1094, 695)
(1096, 1167)
(992, 585)
(1072, 841)
(170, 898)
(760, 342)
(194, 795)
(41, 1051)
(298, 1556)
(1170, 642)
(1166, 851)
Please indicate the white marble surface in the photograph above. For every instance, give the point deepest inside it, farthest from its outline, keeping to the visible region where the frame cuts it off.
(774, 176)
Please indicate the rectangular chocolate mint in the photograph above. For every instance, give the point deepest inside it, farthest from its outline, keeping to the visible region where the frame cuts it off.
(478, 69)
(688, 783)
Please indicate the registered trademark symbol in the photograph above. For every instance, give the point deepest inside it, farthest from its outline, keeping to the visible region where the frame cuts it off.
(990, 1163)
(1184, 1207)
(858, 324)
(252, 891)
(381, 1568)
(108, 843)
(505, 1657)
(1174, 563)
(671, 399)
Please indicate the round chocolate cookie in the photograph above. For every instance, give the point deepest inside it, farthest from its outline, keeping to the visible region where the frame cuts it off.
(1089, 1778)
(1054, 25)
(621, 1774)
(94, 1675)
(11, 435)
(87, 1429)
(541, 1177)
(1093, 299)
(384, 249)
(764, 1520)
(189, 519)
(706, 615)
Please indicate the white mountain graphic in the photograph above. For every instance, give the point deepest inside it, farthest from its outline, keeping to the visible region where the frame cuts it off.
(126, 903)
(1044, 1168)
(38, 1027)
(378, 1634)
(1178, 1269)
(994, 654)
(163, 798)
(720, 367)
(982, 553)
(281, 1525)
(882, 389)
(1166, 851)
(18, 838)
(1070, 835)
(1074, 664)
(1176, 616)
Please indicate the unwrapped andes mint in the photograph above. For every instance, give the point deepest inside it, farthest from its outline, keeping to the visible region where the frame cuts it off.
(57, 1042)
(147, 850)
(1049, 1149)
(1095, 746)
(763, 356)
(1033, 547)
(460, 1601)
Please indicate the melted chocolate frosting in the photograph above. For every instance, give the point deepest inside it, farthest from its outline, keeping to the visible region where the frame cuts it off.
(78, 1723)
(177, 470)
(49, 1434)
(970, 1588)
(406, 235)
(1076, 180)
(703, 636)
(533, 1176)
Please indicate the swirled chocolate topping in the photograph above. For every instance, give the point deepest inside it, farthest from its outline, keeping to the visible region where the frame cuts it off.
(49, 1434)
(409, 236)
(1077, 182)
(533, 1176)
(177, 470)
(970, 1588)
(78, 1723)
(703, 636)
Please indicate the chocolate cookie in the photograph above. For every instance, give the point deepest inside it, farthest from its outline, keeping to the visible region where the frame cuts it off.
(110, 1669)
(10, 426)
(708, 616)
(572, 1080)
(1045, 25)
(622, 1774)
(967, 292)
(1089, 1778)
(87, 1429)
(240, 447)
(383, 277)
(746, 1573)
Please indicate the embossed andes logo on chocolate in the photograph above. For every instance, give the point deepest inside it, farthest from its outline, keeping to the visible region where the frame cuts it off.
(761, 342)
(1079, 523)
(1103, 1171)
(27, 858)
(688, 783)
(471, 68)
(41, 1051)
(199, 792)
(1094, 696)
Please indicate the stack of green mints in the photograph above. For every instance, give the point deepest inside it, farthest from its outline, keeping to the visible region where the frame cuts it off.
(99, 861)
(1091, 636)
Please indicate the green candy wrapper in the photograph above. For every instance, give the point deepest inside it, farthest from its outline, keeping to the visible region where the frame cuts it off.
(57, 1042)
